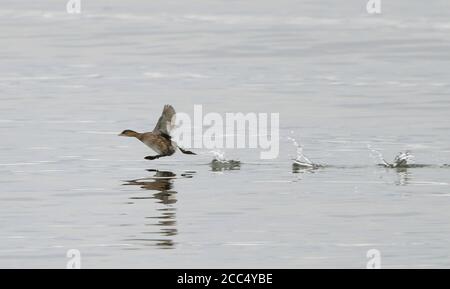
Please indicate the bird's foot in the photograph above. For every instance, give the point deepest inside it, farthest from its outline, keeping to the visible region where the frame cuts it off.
(150, 158)
(186, 151)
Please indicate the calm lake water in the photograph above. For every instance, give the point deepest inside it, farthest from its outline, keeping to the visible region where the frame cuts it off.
(342, 80)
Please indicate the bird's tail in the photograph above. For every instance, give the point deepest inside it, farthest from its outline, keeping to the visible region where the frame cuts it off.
(186, 151)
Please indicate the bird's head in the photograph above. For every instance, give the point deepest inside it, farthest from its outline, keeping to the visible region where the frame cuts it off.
(129, 133)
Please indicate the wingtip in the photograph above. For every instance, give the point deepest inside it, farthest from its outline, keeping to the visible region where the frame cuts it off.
(169, 109)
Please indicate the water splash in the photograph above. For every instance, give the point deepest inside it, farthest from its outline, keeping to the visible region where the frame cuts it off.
(301, 160)
(220, 163)
(402, 160)
(375, 153)
(219, 156)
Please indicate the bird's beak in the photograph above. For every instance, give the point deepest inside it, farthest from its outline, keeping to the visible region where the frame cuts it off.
(120, 134)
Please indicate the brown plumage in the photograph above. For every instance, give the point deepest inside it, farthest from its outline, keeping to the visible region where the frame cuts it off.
(159, 139)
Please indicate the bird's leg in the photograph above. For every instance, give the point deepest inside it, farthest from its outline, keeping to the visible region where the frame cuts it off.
(153, 157)
(186, 151)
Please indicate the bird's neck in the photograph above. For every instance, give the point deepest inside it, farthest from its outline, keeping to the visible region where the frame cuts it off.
(136, 135)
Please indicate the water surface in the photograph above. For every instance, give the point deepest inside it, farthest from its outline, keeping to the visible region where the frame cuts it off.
(340, 79)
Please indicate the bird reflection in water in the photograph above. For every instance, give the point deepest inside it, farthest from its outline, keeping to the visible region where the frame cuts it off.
(162, 183)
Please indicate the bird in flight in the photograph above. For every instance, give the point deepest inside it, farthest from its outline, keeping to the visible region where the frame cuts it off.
(159, 139)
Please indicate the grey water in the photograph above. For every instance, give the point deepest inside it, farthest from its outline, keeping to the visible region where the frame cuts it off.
(341, 80)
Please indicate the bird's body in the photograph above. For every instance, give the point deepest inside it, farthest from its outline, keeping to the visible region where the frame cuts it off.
(159, 139)
(158, 143)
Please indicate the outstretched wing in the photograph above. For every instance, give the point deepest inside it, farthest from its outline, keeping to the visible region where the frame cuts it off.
(166, 121)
